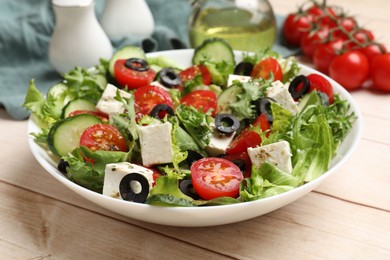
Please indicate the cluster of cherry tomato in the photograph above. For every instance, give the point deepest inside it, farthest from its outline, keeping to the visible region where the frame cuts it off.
(338, 46)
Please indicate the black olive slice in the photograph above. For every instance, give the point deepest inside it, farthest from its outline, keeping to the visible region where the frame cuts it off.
(62, 166)
(160, 110)
(263, 106)
(126, 187)
(226, 123)
(192, 157)
(299, 81)
(188, 189)
(243, 68)
(169, 78)
(137, 64)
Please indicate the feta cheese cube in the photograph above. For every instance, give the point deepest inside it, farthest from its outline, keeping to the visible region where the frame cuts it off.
(115, 172)
(278, 154)
(240, 78)
(156, 143)
(108, 104)
(218, 142)
(279, 92)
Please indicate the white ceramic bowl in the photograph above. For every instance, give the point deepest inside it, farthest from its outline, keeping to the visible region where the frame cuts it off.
(211, 215)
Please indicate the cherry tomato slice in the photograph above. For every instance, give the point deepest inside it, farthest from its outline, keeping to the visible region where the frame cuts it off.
(147, 97)
(264, 68)
(191, 72)
(101, 115)
(248, 137)
(103, 137)
(216, 177)
(202, 100)
(131, 78)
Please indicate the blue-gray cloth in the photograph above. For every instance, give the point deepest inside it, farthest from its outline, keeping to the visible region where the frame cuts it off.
(26, 28)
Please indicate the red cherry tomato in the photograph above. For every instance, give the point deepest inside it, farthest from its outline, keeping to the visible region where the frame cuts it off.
(323, 16)
(350, 69)
(295, 27)
(321, 84)
(147, 97)
(248, 137)
(103, 137)
(191, 72)
(264, 68)
(325, 53)
(373, 50)
(216, 177)
(363, 35)
(380, 72)
(101, 115)
(131, 78)
(202, 100)
(311, 41)
(344, 26)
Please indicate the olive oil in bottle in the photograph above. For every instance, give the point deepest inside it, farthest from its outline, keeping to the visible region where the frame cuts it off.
(247, 25)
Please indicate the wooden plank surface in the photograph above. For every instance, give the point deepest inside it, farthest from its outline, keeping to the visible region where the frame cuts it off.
(347, 217)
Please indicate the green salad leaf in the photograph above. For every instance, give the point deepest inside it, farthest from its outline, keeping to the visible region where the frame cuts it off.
(196, 124)
(265, 181)
(166, 192)
(86, 174)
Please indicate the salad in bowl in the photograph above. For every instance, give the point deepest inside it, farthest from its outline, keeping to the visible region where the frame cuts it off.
(193, 137)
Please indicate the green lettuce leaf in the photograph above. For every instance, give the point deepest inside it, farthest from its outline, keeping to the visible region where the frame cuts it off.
(266, 180)
(312, 144)
(86, 174)
(166, 192)
(196, 123)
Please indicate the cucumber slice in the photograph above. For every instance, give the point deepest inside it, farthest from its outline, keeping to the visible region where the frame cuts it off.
(78, 104)
(126, 52)
(227, 97)
(64, 136)
(214, 49)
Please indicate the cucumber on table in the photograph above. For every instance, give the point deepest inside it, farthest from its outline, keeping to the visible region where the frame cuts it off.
(64, 136)
(126, 52)
(78, 104)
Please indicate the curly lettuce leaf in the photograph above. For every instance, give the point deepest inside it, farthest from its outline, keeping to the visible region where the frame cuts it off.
(47, 109)
(86, 174)
(196, 124)
(88, 84)
(251, 91)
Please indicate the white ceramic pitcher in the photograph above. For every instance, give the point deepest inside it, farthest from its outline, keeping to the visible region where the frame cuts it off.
(127, 18)
(78, 38)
